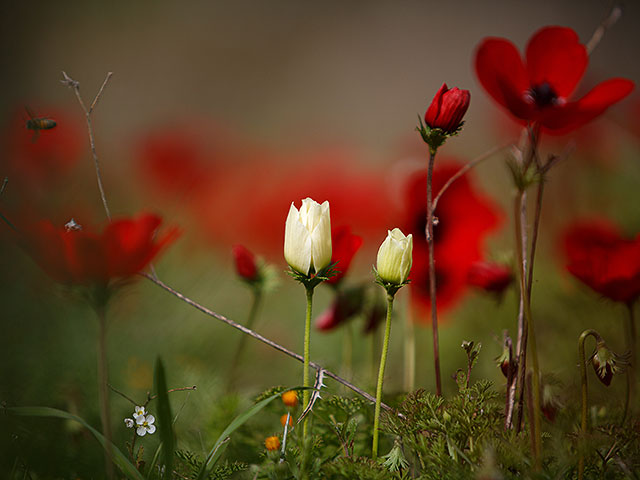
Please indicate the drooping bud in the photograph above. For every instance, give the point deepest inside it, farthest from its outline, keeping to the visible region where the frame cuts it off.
(490, 277)
(606, 362)
(346, 304)
(503, 361)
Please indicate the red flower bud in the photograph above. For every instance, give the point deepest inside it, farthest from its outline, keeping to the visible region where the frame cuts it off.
(245, 263)
(447, 109)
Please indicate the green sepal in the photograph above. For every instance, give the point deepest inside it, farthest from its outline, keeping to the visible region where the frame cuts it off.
(311, 280)
(391, 288)
(435, 137)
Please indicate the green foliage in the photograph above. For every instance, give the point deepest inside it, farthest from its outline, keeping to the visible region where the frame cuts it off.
(189, 465)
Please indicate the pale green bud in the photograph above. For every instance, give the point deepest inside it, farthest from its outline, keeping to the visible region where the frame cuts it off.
(394, 257)
(307, 237)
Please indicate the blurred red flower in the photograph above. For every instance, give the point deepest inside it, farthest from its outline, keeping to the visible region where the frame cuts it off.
(346, 304)
(539, 90)
(42, 158)
(600, 257)
(447, 108)
(75, 255)
(490, 277)
(464, 217)
(245, 263)
(344, 246)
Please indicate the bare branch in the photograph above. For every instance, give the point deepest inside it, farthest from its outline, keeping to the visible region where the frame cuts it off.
(465, 169)
(75, 85)
(259, 337)
(607, 23)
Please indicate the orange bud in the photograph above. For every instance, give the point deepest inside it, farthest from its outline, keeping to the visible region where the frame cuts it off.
(272, 443)
(290, 398)
(283, 420)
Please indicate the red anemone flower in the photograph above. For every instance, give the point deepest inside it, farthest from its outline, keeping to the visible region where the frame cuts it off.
(490, 277)
(344, 246)
(600, 257)
(464, 216)
(539, 88)
(73, 255)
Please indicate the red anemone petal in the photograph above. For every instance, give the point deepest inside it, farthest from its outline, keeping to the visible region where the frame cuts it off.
(575, 114)
(502, 74)
(555, 56)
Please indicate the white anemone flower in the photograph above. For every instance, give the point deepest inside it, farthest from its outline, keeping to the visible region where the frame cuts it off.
(307, 237)
(129, 422)
(145, 425)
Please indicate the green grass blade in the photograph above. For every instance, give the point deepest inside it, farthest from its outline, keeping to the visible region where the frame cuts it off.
(119, 458)
(216, 451)
(165, 419)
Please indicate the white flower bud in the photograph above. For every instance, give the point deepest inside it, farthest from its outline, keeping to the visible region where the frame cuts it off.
(307, 237)
(394, 257)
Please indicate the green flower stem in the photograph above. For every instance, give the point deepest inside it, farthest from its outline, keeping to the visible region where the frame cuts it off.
(253, 313)
(306, 381)
(409, 355)
(631, 368)
(583, 377)
(536, 426)
(103, 388)
(383, 362)
(432, 272)
(347, 350)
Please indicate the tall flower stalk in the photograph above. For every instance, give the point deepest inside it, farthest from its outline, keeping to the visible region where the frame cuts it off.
(393, 267)
(442, 119)
(307, 250)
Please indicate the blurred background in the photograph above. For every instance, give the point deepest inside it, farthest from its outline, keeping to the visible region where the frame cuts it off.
(217, 117)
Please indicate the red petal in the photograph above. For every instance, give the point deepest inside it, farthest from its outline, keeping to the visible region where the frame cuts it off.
(502, 74)
(593, 104)
(555, 56)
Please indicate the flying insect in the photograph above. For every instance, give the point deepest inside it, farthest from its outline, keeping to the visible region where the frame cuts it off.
(38, 123)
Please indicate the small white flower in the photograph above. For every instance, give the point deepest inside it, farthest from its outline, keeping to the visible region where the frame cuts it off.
(139, 412)
(145, 425)
(129, 422)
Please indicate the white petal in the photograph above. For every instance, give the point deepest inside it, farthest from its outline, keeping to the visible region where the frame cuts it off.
(297, 242)
(151, 429)
(150, 419)
(140, 419)
(321, 238)
(141, 431)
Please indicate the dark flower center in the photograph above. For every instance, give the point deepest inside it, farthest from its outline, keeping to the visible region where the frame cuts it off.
(543, 95)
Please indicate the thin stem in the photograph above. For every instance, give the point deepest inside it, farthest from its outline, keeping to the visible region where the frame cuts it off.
(607, 23)
(103, 389)
(534, 235)
(432, 273)
(583, 378)
(383, 362)
(409, 355)
(87, 112)
(306, 380)
(253, 313)
(631, 368)
(261, 338)
(536, 425)
(466, 168)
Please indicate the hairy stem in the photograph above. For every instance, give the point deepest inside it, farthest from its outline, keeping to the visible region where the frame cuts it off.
(383, 363)
(306, 382)
(432, 273)
(583, 378)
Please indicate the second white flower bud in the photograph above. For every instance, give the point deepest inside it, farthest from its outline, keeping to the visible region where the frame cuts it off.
(395, 257)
